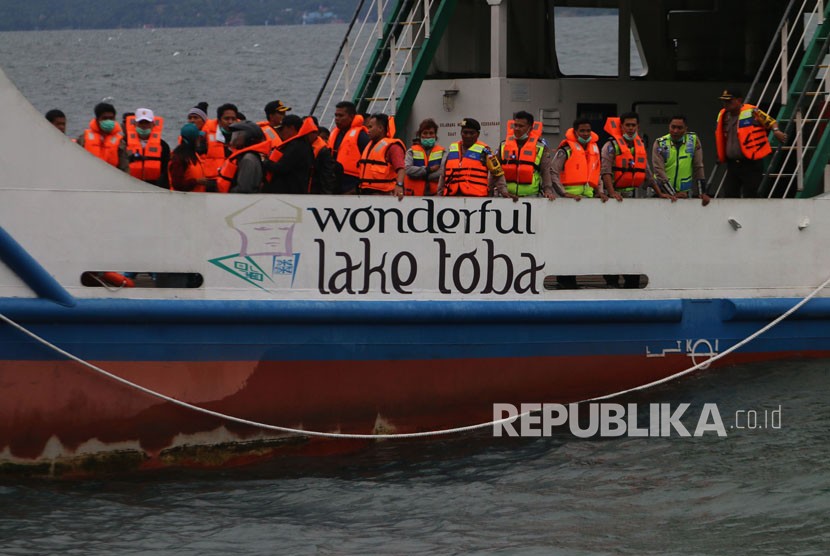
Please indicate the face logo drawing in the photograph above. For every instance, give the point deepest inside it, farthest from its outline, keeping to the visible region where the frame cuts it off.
(266, 253)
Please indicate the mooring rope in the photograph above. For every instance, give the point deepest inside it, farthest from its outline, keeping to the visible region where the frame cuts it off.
(456, 430)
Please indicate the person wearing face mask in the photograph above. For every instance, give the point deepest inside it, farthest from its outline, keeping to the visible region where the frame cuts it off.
(574, 173)
(525, 159)
(422, 163)
(624, 160)
(217, 136)
(104, 137)
(148, 153)
(575, 166)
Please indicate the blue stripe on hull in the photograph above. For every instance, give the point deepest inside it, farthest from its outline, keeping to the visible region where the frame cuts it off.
(302, 331)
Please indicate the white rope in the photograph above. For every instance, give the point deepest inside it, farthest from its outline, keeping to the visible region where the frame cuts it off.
(456, 430)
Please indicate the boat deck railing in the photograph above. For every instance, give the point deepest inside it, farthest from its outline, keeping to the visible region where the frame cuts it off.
(361, 75)
(792, 85)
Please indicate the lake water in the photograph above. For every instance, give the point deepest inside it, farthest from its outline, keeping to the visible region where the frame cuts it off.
(762, 491)
(170, 70)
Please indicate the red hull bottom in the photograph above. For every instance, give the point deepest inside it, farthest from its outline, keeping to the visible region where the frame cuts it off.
(60, 418)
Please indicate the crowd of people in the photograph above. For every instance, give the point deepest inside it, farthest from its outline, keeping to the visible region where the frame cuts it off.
(285, 153)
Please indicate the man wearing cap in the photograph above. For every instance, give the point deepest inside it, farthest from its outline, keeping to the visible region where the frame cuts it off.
(148, 154)
(469, 168)
(274, 114)
(741, 139)
(198, 115)
(104, 137)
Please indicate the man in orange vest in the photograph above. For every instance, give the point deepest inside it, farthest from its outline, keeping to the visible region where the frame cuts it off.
(624, 161)
(149, 154)
(624, 170)
(347, 141)
(741, 139)
(104, 137)
(525, 159)
(469, 168)
(574, 170)
(381, 164)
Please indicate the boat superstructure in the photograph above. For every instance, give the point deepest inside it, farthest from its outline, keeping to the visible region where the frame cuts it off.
(361, 315)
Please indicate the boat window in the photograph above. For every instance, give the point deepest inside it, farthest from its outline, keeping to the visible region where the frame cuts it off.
(586, 41)
(593, 282)
(117, 280)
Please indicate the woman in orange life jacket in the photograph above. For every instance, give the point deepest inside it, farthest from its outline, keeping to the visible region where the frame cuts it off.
(381, 164)
(185, 170)
(423, 161)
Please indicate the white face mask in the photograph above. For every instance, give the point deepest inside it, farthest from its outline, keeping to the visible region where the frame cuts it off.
(629, 137)
(523, 137)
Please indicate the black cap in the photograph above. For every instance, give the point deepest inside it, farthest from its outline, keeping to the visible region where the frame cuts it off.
(470, 123)
(276, 106)
(729, 94)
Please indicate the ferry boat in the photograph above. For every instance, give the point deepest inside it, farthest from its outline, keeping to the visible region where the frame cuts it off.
(372, 317)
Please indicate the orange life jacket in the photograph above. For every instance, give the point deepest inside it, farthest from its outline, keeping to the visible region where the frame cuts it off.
(103, 146)
(348, 154)
(193, 172)
(214, 158)
(751, 135)
(276, 153)
(466, 175)
(317, 146)
(375, 172)
(270, 134)
(629, 169)
(420, 159)
(228, 171)
(148, 166)
(519, 167)
(583, 164)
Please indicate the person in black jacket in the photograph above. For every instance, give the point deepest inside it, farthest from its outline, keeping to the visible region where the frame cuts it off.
(291, 163)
